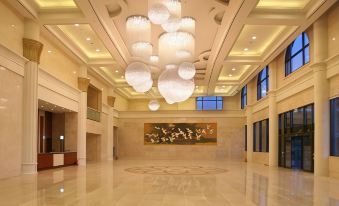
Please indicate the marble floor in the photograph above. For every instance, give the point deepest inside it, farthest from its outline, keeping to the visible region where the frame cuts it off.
(170, 183)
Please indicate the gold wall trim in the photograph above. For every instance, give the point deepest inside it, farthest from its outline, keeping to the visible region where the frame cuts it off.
(83, 84)
(32, 49)
(110, 101)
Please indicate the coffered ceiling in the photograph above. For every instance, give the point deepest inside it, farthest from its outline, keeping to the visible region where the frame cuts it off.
(233, 40)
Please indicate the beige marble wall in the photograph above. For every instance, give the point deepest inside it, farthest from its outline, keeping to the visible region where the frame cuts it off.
(230, 140)
(334, 86)
(71, 131)
(93, 149)
(334, 167)
(58, 129)
(333, 31)
(11, 29)
(260, 115)
(104, 137)
(260, 158)
(121, 103)
(298, 100)
(58, 63)
(94, 127)
(10, 122)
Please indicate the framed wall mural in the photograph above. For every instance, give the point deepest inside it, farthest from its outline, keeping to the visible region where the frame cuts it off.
(180, 133)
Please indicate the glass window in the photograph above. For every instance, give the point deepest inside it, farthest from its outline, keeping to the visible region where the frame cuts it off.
(298, 119)
(260, 136)
(256, 135)
(209, 103)
(264, 136)
(244, 97)
(262, 84)
(335, 127)
(297, 54)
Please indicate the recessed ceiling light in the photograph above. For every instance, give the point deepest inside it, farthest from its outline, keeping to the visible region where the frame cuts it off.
(333, 38)
(233, 69)
(74, 72)
(116, 71)
(76, 24)
(13, 26)
(42, 106)
(254, 37)
(223, 86)
(97, 50)
(102, 67)
(230, 75)
(88, 39)
(197, 87)
(122, 77)
(49, 51)
(246, 49)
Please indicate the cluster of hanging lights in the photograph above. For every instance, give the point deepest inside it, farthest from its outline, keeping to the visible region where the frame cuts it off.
(176, 47)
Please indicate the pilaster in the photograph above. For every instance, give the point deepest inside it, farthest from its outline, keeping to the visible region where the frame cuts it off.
(83, 83)
(321, 99)
(31, 50)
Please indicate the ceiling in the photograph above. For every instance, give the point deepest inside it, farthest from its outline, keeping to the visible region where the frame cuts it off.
(49, 107)
(233, 40)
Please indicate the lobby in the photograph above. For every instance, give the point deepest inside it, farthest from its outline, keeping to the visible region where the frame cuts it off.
(169, 102)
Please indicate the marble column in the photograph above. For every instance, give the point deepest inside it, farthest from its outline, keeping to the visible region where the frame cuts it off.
(110, 130)
(32, 49)
(321, 99)
(273, 118)
(83, 83)
(249, 124)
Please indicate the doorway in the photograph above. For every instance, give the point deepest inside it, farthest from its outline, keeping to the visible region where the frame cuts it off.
(296, 153)
(296, 139)
(115, 143)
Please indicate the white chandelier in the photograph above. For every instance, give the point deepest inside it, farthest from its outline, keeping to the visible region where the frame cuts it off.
(137, 73)
(153, 105)
(173, 88)
(158, 13)
(172, 24)
(188, 25)
(138, 29)
(186, 70)
(171, 43)
(142, 49)
(176, 49)
(144, 87)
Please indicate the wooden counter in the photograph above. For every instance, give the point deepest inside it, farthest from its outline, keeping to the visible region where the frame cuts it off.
(56, 159)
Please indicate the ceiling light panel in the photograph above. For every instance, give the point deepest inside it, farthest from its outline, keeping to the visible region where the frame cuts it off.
(93, 48)
(60, 4)
(246, 45)
(286, 4)
(229, 72)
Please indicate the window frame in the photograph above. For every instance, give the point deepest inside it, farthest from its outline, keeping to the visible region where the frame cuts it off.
(243, 97)
(260, 82)
(261, 137)
(202, 99)
(289, 56)
(333, 139)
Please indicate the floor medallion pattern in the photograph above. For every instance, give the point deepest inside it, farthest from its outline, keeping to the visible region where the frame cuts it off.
(176, 170)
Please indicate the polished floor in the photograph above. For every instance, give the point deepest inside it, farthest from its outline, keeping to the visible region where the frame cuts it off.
(170, 183)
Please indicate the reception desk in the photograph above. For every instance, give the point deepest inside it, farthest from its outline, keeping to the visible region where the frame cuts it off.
(56, 159)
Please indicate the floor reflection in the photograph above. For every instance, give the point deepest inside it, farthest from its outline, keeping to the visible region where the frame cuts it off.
(108, 183)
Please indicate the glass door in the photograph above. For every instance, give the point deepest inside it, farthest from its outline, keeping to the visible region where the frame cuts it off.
(296, 153)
